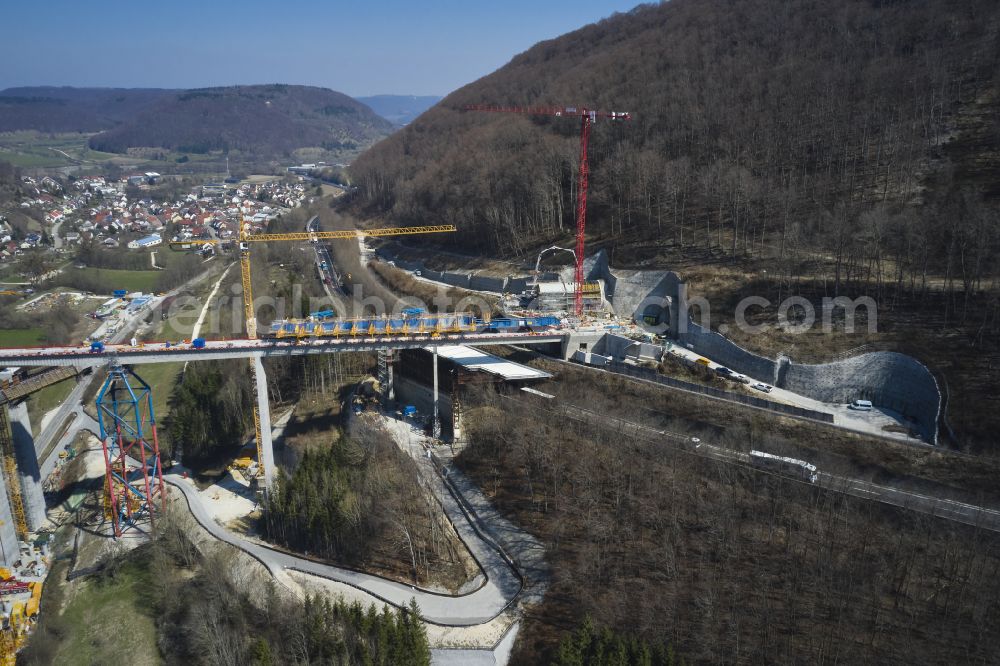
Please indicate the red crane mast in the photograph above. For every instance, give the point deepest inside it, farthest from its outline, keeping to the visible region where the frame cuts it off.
(587, 116)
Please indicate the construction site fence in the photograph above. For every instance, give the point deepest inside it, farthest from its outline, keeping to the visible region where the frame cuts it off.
(650, 374)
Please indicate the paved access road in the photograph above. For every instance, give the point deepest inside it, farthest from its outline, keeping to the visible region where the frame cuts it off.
(873, 422)
(474, 608)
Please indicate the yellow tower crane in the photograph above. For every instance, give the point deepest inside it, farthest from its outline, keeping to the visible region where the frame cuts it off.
(250, 317)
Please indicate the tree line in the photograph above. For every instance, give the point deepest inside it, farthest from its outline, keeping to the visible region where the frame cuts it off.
(358, 501)
(206, 613)
(592, 646)
(210, 412)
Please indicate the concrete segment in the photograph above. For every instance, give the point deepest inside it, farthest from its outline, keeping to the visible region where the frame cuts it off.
(267, 445)
(9, 547)
(27, 466)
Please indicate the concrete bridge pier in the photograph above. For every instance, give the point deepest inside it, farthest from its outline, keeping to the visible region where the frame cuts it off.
(436, 428)
(27, 465)
(10, 549)
(580, 340)
(266, 445)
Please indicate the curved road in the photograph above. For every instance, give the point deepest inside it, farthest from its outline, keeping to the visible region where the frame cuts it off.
(474, 608)
(501, 587)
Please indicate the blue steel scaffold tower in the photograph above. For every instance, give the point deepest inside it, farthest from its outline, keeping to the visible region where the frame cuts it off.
(133, 490)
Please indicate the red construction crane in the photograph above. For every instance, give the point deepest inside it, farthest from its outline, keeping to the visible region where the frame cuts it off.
(587, 116)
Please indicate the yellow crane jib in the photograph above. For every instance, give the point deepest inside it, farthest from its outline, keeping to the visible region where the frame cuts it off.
(321, 235)
(250, 316)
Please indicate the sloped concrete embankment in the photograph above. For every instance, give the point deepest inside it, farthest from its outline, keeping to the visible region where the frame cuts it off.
(891, 380)
(888, 379)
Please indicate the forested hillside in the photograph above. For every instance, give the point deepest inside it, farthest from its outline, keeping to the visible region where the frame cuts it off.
(268, 119)
(804, 148)
(720, 564)
(862, 133)
(65, 109)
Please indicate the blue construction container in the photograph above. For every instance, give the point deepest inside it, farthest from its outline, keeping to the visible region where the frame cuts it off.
(323, 314)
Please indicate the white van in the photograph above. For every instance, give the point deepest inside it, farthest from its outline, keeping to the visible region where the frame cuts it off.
(861, 405)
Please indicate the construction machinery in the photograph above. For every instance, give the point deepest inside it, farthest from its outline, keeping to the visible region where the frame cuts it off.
(538, 262)
(587, 117)
(250, 317)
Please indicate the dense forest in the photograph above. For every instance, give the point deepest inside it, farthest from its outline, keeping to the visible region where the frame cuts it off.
(210, 412)
(590, 646)
(67, 109)
(724, 564)
(358, 501)
(861, 135)
(265, 120)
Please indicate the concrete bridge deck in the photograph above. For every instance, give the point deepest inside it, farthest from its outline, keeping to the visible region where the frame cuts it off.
(162, 352)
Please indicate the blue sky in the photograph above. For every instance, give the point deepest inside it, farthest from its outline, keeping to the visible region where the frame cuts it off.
(360, 48)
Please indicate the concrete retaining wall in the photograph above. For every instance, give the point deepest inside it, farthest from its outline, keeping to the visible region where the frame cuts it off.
(618, 347)
(517, 285)
(455, 279)
(891, 380)
(410, 392)
(894, 381)
(487, 283)
(634, 294)
(726, 352)
(652, 375)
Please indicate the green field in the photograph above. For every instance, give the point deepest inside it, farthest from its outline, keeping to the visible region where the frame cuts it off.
(21, 337)
(161, 378)
(118, 279)
(36, 149)
(32, 160)
(33, 149)
(47, 399)
(98, 613)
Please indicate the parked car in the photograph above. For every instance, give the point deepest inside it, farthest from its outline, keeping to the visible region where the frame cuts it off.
(861, 405)
(761, 386)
